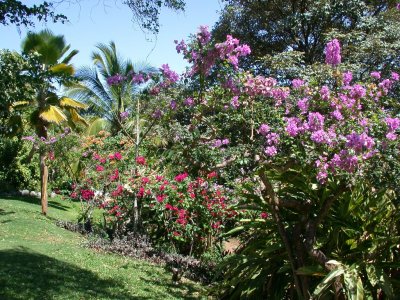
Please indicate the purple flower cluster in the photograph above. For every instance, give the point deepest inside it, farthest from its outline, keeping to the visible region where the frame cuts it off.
(169, 75)
(332, 53)
(116, 79)
(220, 142)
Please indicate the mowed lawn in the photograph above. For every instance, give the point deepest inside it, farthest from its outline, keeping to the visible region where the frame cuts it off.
(39, 260)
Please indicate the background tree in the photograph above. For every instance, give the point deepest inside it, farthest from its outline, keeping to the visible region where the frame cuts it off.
(15, 12)
(296, 31)
(107, 86)
(54, 57)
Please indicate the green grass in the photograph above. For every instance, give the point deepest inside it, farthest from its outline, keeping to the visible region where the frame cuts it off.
(39, 260)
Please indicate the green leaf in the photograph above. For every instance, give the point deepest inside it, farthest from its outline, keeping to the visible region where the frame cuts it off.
(327, 281)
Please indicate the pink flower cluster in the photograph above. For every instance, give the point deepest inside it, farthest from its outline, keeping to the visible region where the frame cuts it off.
(332, 53)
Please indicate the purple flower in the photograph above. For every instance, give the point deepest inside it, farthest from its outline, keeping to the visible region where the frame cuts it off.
(376, 75)
(337, 115)
(243, 50)
(235, 102)
(302, 104)
(293, 126)
(264, 129)
(332, 53)
(217, 143)
(203, 36)
(115, 79)
(325, 93)
(358, 142)
(29, 138)
(270, 151)
(180, 46)
(225, 141)
(392, 123)
(391, 136)
(124, 115)
(138, 78)
(272, 138)
(357, 91)
(395, 76)
(347, 77)
(188, 102)
(315, 121)
(297, 83)
(398, 6)
(320, 137)
(173, 105)
(157, 114)
(169, 75)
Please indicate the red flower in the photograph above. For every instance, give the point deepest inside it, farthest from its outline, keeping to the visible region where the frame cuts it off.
(87, 194)
(99, 168)
(118, 191)
(160, 198)
(73, 195)
(140, 160)
(176, 233)
(103, 160)
(212, 175)
(264, 215)
(115, 175)
(111, 156)
(117, 156)
(145, 180)
(181, 177)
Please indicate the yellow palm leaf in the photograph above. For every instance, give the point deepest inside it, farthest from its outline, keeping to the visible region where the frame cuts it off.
(63, 69)
(53, 114)
(77, 118)
(68, 102)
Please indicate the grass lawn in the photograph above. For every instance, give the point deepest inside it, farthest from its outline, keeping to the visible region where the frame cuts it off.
(39, 260)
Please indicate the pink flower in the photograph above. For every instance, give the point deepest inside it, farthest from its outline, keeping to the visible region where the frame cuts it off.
(264, 129)
(332, 53)
(140, 160)
(181, 177)
(117, 156)
(99, 168)
(376, 75)
(115, 175)
(270, 151)
(111, 156)
(264, 215)
(395, 76)
(145, 180)
(160, 198)
(87, 194)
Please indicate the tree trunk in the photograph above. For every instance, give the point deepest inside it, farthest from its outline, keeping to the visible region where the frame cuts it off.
(44, 174)
(44, 171)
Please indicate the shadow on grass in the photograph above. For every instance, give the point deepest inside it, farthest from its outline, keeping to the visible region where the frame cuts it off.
(25, 274)
(183, 290)
(35, 200)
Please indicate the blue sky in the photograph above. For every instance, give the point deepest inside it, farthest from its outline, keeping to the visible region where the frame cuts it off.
(100, 21)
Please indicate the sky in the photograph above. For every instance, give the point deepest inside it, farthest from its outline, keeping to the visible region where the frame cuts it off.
(101, 21)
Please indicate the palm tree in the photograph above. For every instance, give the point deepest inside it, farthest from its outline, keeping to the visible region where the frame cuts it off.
(104, 100)
(54, 56)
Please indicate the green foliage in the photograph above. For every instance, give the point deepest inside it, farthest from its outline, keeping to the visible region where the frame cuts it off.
(16, 168)
(146, 12)
(369, 31)
(15, 12)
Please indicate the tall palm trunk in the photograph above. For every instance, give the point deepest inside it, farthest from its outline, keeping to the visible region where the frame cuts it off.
(44, 171)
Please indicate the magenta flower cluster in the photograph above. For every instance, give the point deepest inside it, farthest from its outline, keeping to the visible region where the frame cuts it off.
(332, 53)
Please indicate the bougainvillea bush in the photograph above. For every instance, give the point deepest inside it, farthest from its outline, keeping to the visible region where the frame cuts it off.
(304, 153)
(310, 163)
(186, 214)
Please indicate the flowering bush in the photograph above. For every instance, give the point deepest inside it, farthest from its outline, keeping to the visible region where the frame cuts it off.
(189, 214)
